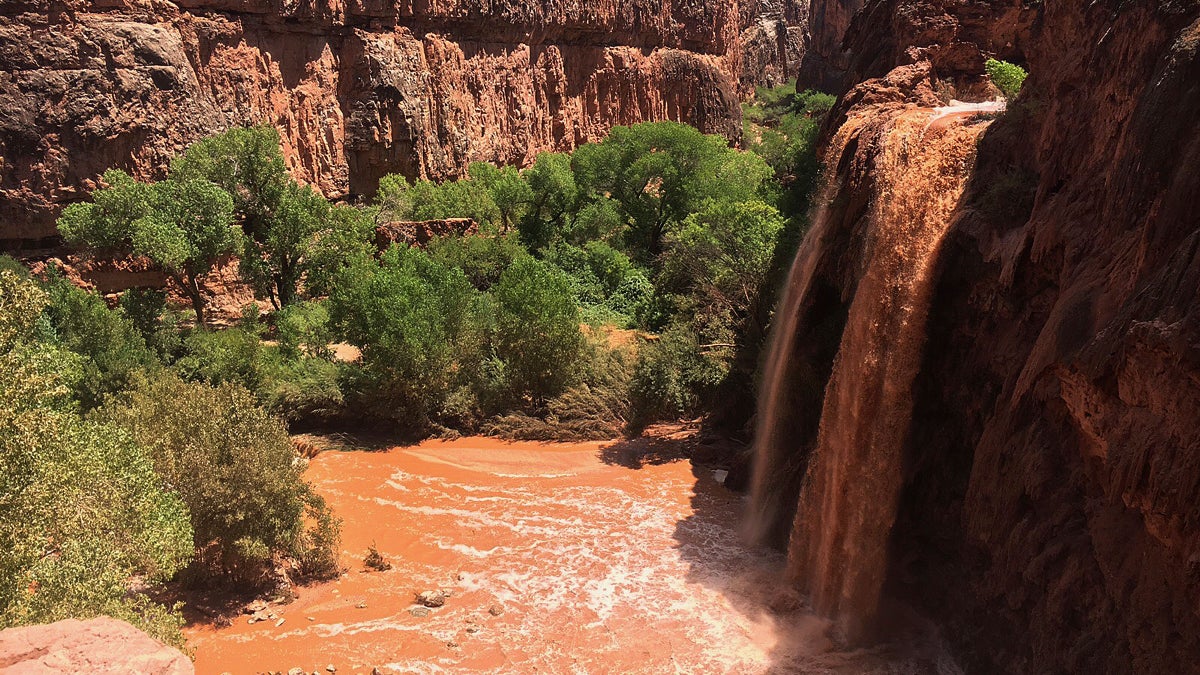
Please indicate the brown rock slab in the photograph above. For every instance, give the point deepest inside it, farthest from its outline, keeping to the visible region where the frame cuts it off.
(100, 645)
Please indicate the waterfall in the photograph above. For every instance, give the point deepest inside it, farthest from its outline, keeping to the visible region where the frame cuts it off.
(852, 478)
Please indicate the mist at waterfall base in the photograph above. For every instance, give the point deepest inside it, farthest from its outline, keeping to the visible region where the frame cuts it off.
(828, 485)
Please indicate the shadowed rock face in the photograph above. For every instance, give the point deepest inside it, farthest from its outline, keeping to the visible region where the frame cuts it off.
(359, 89)
(1048, 517)
(100, 645)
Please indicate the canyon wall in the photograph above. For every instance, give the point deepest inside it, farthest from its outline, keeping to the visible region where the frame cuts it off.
(1049, 512)
(359, 88)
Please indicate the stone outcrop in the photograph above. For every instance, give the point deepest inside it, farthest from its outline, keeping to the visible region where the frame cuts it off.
(1048, 517)
(100, 645)
(357, 88)
(421, 232)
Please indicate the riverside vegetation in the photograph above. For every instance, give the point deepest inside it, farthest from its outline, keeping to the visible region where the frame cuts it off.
(627, 282)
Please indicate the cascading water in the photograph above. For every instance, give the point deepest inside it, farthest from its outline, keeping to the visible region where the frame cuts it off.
(852, 478)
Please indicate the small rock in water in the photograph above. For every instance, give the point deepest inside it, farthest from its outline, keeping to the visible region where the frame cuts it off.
(495, 610)
(720, 475)
(279, 623)
(431, 598)
(311, 618)
(254, 607)
(419, 611)
(376, 671)
(330, 668)
(361, 605)
(297, 671)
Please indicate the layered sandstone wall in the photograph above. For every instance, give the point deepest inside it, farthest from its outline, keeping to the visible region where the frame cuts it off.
(358, 88)
(1049, 519)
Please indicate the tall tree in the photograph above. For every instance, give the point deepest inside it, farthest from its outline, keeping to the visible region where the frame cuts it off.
(660, 172)
(183, 225)
(508, 189)
(281, 218)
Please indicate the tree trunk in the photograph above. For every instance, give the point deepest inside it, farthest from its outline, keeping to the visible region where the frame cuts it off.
(193, 292)
(285, 283)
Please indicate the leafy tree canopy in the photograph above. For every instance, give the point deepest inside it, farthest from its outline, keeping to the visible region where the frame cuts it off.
(183, 225)
(660, 172)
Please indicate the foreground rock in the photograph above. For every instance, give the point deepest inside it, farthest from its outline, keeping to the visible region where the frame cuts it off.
(95, 646)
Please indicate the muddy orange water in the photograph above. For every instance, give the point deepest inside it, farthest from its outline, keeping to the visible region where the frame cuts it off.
(598, 568)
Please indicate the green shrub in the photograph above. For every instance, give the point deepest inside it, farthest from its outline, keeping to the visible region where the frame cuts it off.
(147, 309)
(113, 349)
(303, 330)
(603, 280)
(220, 356)
(411, 317)
(482, 258)
(674, 375)
(81, 508)
(1008, 77)
(594, 408)
(235, 468)
(537, 327)
(305, 389)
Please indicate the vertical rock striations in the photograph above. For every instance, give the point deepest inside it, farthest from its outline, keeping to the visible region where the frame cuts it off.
(358, 88)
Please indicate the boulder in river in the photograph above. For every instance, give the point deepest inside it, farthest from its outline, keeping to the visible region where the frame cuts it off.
(432, 598)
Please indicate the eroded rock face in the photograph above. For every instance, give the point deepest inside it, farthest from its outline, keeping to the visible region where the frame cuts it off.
(100, 645)
(358, 88)
(1049, 515)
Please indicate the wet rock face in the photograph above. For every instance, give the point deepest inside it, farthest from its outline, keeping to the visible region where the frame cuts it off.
(100, 645)
(358, 88)
(1049, 516)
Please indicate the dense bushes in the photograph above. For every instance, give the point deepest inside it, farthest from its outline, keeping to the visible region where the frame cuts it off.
(411, 317)
(81, 508)
(537, 328)
(234, 467)
(657, 228)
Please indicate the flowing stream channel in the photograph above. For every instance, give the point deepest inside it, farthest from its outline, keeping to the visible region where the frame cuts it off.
(561, 558)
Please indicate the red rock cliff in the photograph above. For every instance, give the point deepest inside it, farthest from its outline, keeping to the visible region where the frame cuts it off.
(1050, 512)
(358, 88)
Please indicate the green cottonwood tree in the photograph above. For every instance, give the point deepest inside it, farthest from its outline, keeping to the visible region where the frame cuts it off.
(537, 327)
(509, 191)
(281, 218)
(660, 172)
(183, 225)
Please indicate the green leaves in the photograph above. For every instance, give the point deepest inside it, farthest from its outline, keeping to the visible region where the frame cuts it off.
(537, 327)
(232, 465)
(1008, 77)
(183, 225)
(658, 173)
(81, 509)
(409, 316)
(245, 162)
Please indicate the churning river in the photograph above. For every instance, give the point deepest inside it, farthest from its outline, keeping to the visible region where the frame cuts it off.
(560, 558)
